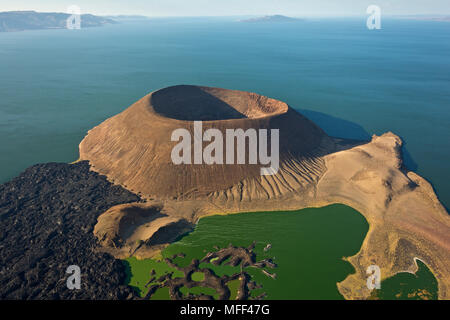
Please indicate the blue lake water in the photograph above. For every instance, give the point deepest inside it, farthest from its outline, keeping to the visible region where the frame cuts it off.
(57, 84)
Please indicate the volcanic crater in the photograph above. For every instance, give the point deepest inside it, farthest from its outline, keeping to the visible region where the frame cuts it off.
(133, 151)
(134, 147)
(406, 219)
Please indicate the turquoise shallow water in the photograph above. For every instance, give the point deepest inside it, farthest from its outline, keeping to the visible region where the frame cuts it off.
(57, 84)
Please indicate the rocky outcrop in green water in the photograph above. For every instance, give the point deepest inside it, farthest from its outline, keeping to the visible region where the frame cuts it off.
(231, 255)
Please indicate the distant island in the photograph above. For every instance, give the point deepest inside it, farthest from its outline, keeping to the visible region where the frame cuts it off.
(32, 20)
(444, 18)
(127, 18)
(426, 17)
(272, 18)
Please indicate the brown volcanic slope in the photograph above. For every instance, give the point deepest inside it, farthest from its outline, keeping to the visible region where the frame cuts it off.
(406, 219)
(134, 147)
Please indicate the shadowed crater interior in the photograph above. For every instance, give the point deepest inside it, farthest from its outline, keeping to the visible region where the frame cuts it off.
(194, 103)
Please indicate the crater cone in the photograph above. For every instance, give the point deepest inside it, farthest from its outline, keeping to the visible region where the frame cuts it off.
(134, 147)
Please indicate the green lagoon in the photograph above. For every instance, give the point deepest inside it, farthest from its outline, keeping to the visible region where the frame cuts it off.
(308, 246)
(407, 286)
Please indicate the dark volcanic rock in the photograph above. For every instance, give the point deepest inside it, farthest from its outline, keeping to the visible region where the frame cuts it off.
(47, 216)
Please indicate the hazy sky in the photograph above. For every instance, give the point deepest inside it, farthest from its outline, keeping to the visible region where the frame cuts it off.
(232, 7)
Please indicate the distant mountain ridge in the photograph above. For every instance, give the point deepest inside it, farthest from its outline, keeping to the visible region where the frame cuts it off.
(127, 17)
(271, 18)
(429, 18)
(32, 20)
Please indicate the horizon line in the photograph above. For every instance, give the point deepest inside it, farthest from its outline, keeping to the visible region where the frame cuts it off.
(241, 15)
